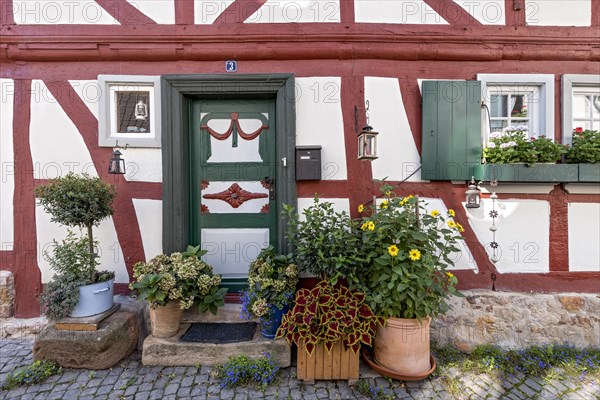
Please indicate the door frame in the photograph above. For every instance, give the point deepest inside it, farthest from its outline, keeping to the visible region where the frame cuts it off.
(177, 92)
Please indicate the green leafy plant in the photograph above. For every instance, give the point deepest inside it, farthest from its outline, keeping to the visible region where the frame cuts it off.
(327, 314)
(325, 241)
(70, 260)
(585, 147)
(32, 374)
(373, 392)
(182, 277)
(242, 370)
(514, 146)
(272, 282)
(407, 253)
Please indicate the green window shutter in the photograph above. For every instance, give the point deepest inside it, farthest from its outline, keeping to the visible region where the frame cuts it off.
(451, 130)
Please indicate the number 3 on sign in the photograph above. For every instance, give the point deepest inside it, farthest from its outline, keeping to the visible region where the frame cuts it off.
(231, 66)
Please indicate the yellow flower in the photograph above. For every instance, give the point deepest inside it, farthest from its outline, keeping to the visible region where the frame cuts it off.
(371, 226)
(451, 213)
(414, 254)
(393, 250)
(450, 275)
(364, 225)
(435, 213)
(384, 204)
(452, 224)
(460, 227)
(388, 194)
(361, 208)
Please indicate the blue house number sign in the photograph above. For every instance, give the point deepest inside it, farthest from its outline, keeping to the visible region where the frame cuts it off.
(231, 66)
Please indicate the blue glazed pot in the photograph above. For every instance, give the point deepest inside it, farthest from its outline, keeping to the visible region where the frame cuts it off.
(269, 326)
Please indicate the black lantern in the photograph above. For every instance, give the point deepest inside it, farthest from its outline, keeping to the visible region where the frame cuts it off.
(473, 195)
(141, 110)
(367, 144)
(116, 164)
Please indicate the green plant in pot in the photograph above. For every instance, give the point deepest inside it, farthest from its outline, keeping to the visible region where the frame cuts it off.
(406, 279)
(272, 282)
(585, 148)
(331, 318)
(77, 201)
(176, 282)
(514, 145)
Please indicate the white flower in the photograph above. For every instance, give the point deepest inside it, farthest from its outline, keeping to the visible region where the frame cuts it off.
(491, 145)
(495, 135)
(511, 144)
(524, 128)
(509, 129)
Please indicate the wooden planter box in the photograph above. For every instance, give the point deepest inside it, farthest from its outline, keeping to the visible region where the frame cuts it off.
(339, 364)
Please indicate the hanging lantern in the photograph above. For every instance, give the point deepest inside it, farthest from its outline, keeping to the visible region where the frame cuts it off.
(367, 144)
(116, 164)
(473, 195)
(141, 110)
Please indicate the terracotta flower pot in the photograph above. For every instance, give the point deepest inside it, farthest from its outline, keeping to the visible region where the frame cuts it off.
(165, 320)
(402, 345)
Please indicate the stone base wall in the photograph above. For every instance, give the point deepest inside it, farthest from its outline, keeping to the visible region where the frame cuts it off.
(518, 320)
(7, 294)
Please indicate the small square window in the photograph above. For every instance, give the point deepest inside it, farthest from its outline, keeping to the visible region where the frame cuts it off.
(580, 104)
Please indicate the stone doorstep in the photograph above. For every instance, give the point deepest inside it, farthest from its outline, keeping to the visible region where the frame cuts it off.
(173, 352)
(227, 313)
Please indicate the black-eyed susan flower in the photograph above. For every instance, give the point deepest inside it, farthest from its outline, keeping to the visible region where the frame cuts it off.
(361, 208)
(371, 225)
(452, 224)
(435, 213)
(393, 250)
(451, 213)
(384, 204)
(460, 227)
(414, 254)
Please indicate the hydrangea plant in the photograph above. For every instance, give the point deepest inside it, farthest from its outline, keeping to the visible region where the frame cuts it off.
(182, 277)
(514, 145)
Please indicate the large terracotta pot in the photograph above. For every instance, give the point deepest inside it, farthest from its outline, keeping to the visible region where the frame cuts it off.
(165, 320)
(402, 345)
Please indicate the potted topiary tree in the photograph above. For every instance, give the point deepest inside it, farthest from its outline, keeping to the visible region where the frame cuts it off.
(77, 290)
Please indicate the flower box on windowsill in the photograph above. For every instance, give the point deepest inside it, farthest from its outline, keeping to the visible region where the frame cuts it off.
(589, 172)
(530, 173)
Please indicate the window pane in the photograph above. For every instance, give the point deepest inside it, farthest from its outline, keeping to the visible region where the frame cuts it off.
(498, 106)
(580, 106)
(519, 106)
(596, 107)
(498, 125)
(521, 123)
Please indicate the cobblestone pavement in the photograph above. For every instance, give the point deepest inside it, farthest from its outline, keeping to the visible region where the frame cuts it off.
(131, 380)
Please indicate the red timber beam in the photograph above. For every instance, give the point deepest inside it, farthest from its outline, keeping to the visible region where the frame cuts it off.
(125, 219)
(28, 278)
(184, 12)
(514, 12)
(347, 13)
(124, 12)
(411, 98)
(595, 12)
(452, 12)
(7, 16)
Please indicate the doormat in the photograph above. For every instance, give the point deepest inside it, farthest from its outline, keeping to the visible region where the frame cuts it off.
(220, 332)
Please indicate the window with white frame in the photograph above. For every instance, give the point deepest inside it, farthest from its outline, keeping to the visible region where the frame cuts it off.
(580, 103)
(518, 100)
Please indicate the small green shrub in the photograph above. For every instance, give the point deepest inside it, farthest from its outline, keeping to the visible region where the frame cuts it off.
(243, 370)
(585, 147)
(32, 374)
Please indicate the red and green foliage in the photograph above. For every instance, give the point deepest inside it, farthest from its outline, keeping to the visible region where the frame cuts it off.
(327, 314)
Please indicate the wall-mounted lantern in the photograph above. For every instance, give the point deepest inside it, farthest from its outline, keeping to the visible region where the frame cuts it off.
(367, 144)
(116, 165)
(367, 138)
(141, 110)
(473, 195)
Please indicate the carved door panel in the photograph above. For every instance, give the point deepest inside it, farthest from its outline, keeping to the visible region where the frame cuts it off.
(233, 204)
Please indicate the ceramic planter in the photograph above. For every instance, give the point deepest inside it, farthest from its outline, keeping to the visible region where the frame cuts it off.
(94, 299)
(402, 345)
(269, 326)
(165, 320)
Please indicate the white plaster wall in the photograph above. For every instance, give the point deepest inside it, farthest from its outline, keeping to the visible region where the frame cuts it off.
(463, 259)
(207, 11)
(58, 12)
(339, 205)
(487, 12)
(111, 255)
(396, 12)
(319, 121)
(149, 216)
(161, 11)
(90, 92)
(289, 11)
(56, 145)
(398, 155)
(143, 165)
(584, 237)
(7, 177)
(561, 13)
(523, 233)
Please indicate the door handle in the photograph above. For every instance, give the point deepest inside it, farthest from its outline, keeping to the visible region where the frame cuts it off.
(271, 185)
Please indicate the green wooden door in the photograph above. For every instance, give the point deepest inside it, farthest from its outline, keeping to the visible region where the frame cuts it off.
(233, 169)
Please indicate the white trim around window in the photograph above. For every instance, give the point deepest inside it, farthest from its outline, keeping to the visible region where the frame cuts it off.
(571, 82)
(115, 111)
(542, 85)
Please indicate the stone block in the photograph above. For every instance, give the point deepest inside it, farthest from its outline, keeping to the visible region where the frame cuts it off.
(116, 338)
(171, 351)
(7, 294)
(140, 309)
(571, 303)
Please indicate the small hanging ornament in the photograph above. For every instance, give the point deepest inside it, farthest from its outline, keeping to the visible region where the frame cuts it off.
(141, 110)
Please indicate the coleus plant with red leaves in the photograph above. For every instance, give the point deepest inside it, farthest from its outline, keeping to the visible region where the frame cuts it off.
(327, 314)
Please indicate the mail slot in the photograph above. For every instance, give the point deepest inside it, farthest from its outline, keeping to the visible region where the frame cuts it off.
(308, 163)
